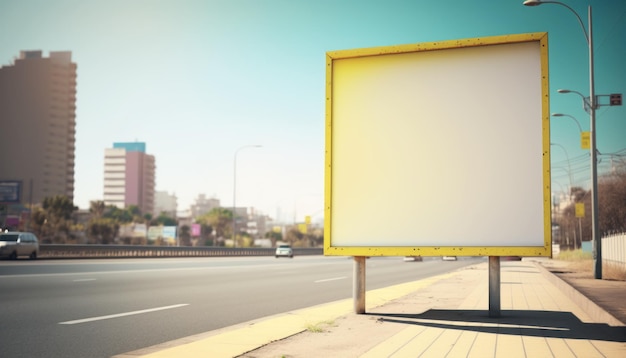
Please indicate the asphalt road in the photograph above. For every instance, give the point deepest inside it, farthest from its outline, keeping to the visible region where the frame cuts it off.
(99, 308)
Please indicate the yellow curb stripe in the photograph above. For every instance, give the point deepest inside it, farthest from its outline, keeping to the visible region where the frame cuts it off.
(245, 339)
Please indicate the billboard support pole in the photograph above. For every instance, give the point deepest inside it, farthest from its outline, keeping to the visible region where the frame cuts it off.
(358, 284)
(494, 286)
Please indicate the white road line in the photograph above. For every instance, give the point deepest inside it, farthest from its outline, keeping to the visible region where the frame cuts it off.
(85, 320)
(330, 279)
(61, 274)
(84, 279)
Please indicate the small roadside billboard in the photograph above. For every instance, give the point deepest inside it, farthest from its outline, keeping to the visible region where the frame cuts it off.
(439, 149)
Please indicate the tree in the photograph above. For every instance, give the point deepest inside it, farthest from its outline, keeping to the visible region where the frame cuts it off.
(206, 233)
(571, 226)
(165, 220)
(120, 215)
(52, 222)
(293, 236)
(220, 220)
(274, 236)
(185, 235)
(97, 208)
(102, 230)
(611, 209)
(38, 221)
(612, 203)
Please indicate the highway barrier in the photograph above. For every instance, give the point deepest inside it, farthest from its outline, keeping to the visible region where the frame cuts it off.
(52, 251)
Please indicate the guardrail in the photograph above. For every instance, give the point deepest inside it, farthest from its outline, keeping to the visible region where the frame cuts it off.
(51, 251)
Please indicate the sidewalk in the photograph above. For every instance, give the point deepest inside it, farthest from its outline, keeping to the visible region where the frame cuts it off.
(444, 316)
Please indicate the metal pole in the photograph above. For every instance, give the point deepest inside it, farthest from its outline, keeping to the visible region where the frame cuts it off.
(358, 284)
(234, 197)
(595, 234)
(580, 231)
(595, 231)
(494, 286)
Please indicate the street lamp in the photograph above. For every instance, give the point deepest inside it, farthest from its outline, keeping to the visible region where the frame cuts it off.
(235, 188)
(580, 129)
(586, 103)
(569, 167)
(591, 103)
(584, 136)
(569, 195)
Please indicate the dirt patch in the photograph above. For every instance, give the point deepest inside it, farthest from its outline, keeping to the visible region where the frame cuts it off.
(584, 269)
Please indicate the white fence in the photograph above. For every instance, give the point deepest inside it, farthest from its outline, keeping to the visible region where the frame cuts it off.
(614, 250)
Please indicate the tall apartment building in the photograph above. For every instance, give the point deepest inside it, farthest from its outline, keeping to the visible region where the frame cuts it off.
(38, 125)
(129, 176)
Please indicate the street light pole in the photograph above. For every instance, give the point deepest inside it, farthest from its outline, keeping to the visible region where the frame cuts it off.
(569, 168)
(570, 195)
(235, 189)
(595, 235)
(584, 136)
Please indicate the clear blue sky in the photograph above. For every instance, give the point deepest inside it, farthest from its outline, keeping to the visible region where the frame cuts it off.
(196, 80)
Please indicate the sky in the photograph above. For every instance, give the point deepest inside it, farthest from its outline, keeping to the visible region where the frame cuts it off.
(201, 82)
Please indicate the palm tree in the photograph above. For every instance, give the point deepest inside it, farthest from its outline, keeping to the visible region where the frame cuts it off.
(96, 208)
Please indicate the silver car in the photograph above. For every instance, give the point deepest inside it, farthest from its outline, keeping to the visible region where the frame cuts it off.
(16, 243)
(284, 251)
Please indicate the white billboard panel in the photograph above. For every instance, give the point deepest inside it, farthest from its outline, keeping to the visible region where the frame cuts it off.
(439, 149)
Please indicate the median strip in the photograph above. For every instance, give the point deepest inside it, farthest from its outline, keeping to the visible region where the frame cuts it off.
(92, 319)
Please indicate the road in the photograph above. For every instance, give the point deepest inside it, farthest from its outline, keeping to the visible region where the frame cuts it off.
(99, 308)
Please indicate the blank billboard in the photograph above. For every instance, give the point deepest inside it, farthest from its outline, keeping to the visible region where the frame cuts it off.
(439, 148)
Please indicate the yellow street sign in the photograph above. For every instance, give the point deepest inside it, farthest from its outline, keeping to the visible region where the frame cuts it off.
(585, 140)
(580, 210)
(307, 220)
(302, 228)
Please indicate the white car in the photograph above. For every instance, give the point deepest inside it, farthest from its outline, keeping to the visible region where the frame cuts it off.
(15, 243)
(284, 251)
(413, 258)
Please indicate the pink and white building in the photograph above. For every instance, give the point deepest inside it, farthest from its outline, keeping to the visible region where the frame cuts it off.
(129, 176)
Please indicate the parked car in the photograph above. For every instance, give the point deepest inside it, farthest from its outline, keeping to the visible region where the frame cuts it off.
(449, 258)
(284, 251)
(16, 243)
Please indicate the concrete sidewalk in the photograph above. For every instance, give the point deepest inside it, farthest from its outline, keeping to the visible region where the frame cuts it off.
(444, 316)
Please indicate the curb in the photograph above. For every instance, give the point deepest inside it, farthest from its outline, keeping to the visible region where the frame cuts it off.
(237, 340)
(594, 311)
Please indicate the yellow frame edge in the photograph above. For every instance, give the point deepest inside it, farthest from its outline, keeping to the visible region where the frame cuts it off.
(545, 250)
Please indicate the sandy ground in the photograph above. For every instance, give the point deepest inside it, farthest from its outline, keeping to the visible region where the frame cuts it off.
(353, 335)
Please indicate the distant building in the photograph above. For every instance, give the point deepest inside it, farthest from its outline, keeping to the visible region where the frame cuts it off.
(165, 202)
(129, 176)
(248, 221)
(37, 127)
(203, 205)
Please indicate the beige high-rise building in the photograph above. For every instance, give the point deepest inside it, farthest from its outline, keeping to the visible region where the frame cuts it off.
(38, 126)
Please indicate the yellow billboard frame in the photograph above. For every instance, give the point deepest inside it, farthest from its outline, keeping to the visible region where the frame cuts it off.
(382, 249)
